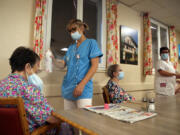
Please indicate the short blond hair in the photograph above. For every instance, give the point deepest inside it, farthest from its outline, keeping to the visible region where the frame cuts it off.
(77, 22)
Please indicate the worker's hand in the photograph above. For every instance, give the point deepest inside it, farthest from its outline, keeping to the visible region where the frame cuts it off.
(52, 56)
(177, 91)
(78, 90)
(178, 81)
(178, 75)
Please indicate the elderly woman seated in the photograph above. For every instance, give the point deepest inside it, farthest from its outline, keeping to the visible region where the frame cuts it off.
(116, 93)
(24, 62)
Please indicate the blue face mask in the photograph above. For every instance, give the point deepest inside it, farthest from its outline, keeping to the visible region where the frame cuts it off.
(76, 35)
(164, 56)
(36, 80)
(121, 75)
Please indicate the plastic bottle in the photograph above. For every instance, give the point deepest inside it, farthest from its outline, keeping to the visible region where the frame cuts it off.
(48, 61)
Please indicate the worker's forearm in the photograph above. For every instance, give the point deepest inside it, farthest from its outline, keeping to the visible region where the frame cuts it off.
(165, 73)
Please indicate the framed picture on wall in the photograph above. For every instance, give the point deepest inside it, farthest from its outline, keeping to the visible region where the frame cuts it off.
(128, 45)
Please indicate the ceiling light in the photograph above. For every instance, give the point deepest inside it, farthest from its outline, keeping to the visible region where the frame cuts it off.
(153, 27)
(64, 49)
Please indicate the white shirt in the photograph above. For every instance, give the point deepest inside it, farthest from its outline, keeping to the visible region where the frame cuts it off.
(165, 85)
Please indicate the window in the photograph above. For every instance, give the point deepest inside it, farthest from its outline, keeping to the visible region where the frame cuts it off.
(62, 12)
(92, 12)
(93, 15)
(154, 30)
(159, 39)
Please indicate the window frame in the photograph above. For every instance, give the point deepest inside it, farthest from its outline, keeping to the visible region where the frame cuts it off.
(47, 28)
(159, 25)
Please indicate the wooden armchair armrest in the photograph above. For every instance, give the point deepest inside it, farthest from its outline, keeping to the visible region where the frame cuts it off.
(75, 125)
(43, 129)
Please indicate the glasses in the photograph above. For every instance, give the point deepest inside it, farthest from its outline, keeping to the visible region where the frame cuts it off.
(73, 29)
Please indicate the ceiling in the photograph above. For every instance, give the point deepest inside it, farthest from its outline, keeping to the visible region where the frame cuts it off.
(165, 11)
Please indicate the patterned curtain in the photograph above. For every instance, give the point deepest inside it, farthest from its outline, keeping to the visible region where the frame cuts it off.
(112, 42)
(38, 27)
(147, 45)
(173, 50)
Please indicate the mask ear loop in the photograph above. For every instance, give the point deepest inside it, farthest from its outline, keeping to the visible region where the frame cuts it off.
(27, 75)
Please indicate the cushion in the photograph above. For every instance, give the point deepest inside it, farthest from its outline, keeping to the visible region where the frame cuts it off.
(10, 123)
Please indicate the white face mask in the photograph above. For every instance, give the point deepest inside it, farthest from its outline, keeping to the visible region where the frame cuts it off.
(36, 80)
(121, 75)
(76, 35)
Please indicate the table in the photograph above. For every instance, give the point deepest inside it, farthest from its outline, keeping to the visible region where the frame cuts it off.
(167, 122)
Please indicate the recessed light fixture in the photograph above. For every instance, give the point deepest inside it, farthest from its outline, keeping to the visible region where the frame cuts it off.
(64, 49)
(153, 28)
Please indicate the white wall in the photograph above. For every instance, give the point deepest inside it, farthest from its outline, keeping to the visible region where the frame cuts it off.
(134, 78)
(16, 28)
(178, 37)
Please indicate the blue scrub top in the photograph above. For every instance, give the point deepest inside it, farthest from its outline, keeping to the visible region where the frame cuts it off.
(78, 62)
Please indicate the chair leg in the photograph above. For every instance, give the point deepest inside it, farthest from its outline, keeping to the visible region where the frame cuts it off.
(58, 129)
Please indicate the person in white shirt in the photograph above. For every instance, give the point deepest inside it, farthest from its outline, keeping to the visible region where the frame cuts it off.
(166, 75)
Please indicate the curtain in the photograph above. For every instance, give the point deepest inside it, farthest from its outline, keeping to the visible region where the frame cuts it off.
(112, 40)
(173, 49)
(147, 45)
(38, 43)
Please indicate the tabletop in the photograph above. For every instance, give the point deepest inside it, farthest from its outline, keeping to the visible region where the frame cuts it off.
(167, 122)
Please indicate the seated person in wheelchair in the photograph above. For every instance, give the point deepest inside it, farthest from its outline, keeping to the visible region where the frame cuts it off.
(24, 62)
(116, 93)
